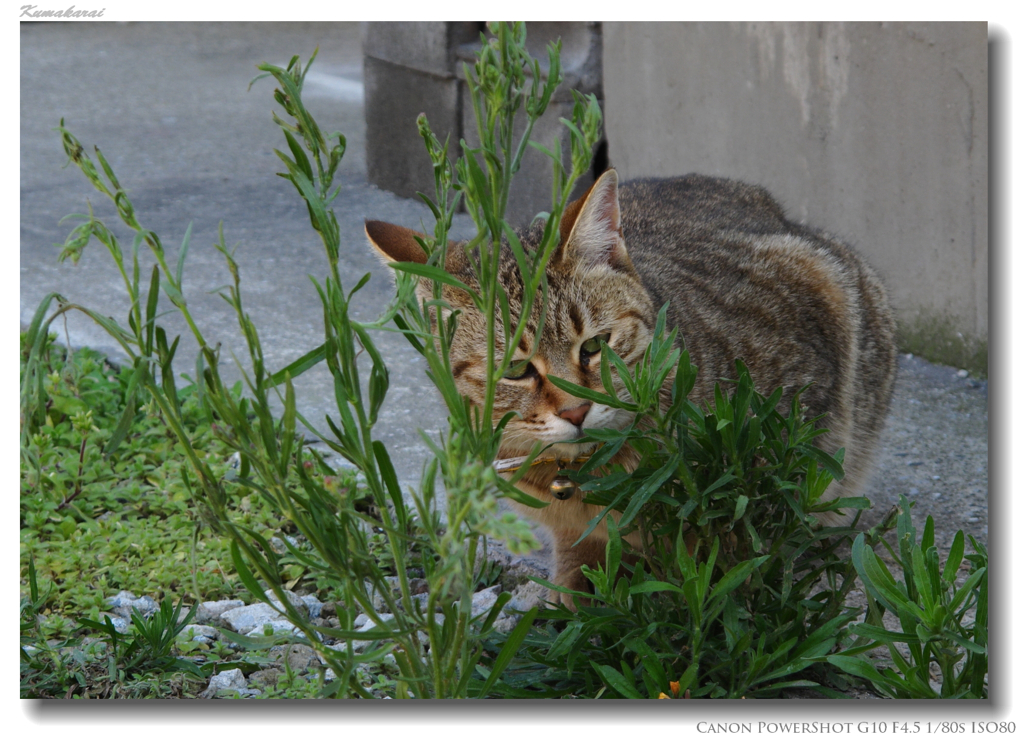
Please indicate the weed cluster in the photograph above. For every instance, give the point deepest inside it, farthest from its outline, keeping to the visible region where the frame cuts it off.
(96, 520)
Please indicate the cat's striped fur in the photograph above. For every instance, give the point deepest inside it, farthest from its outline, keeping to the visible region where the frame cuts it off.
(796, 305)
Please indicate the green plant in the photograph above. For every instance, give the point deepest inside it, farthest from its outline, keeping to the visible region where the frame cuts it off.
(735, 592)
(114, 664)
(932, 610)
(150, 646)
(503, 80)
(435, 657)
(94, 523)
(291, 685)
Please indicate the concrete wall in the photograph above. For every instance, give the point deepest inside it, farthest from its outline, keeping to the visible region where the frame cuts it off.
(877, 132)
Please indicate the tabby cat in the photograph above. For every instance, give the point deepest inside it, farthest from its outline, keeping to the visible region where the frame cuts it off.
(796, 305)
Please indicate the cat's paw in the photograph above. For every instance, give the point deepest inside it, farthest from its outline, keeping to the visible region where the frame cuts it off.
(554, 598)
(575, 581)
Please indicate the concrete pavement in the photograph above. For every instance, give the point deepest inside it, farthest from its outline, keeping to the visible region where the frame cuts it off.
(168, 106)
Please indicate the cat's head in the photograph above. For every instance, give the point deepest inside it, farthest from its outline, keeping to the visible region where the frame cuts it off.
(594, 295)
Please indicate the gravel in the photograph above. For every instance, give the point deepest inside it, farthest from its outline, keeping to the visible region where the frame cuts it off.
(934, 449)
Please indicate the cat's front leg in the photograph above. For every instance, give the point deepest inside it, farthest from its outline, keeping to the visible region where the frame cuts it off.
(568, 560)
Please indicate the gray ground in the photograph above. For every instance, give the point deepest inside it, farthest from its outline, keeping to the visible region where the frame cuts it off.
(167, 103)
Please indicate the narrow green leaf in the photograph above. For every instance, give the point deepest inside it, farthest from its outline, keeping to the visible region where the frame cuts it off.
(181, 255)
(496, 610)
(649, 587)
(177, 299)
(613, 548)
(128, 416)
(967, 644)
(736, 576)
(741, 506)
(387, 472)
(597, 520)
(151, 305)
(601, 456)
(434, 273)
(925, 594)
(248, 580)
(39, 316)
(645, 492)
(590, 394)
(824, 460)
(606, 373)
(518, 495)
(688, 678)
(720, 482)
(955, 557)
(508, 650)
(297, 367)
(967, 588)
(288, 427)
(616, 680)
(300, 156)
(928, 534)
(881, 634)
(625, 375)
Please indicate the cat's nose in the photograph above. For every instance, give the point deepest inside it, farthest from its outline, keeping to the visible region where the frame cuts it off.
(576, 415)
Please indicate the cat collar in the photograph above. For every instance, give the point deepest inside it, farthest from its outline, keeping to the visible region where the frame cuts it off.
(562, 487)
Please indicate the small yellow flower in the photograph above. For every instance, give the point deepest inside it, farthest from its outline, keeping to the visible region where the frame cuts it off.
(662, 695)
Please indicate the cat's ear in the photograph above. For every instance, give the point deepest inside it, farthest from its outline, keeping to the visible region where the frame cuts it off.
(395, 243)
(591, 228)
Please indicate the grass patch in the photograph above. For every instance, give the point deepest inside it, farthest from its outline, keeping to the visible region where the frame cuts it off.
(94, 523)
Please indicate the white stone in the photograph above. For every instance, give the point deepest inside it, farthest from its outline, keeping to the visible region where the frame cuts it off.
(244, 619)
(294, 599)
(125, 601)
(313, 605)
(506, 623)
(484, 600)
(199, 633)
(229, 680)
(280, 625)
(209, 612)
(369, 624)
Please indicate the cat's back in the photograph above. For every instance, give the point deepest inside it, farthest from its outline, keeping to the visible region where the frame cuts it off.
(696, 205)
(720, 245)
(797, 305)
(725, 251)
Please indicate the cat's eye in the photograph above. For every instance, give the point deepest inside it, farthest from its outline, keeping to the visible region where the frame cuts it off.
(521, 370)
(592, 346)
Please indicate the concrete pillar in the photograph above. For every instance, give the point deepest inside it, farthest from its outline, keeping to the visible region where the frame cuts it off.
(408, 69)
(418, 67)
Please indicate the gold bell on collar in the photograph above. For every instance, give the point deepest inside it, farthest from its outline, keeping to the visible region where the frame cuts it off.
(563, 488)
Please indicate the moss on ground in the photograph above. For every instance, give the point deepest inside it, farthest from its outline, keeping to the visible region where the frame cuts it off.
(938, 339)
